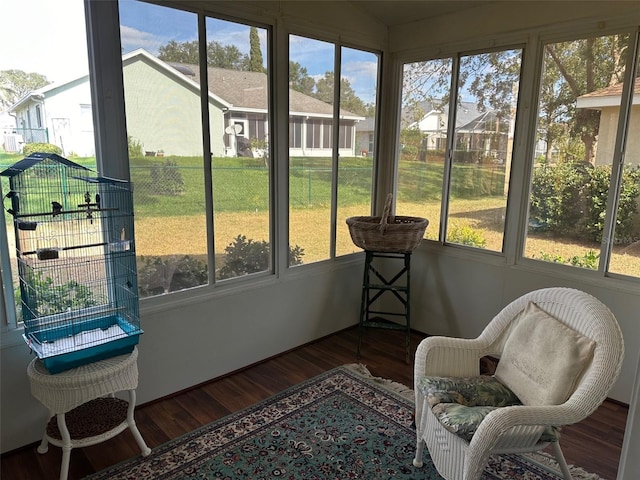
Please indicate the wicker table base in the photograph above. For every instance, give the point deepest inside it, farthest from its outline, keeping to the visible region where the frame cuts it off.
(82, 407)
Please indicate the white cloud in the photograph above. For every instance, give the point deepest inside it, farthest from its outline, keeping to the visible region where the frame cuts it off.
(132, 39)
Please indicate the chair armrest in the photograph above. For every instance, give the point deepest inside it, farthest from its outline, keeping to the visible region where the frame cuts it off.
(512, 427)
(449, 357)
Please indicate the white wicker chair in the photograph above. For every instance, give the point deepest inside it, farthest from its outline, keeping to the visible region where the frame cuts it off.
(515, 429)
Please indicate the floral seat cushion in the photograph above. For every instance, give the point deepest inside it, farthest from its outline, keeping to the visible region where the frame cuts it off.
(460, 404)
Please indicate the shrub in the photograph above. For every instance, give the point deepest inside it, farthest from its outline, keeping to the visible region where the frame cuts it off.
(134, 147)
(570, 199)
(30, 148)
(157, 275)
(244, 256)
(465, 235)
(588, 260)
(166, 179)
(556, 197)
(46, 298)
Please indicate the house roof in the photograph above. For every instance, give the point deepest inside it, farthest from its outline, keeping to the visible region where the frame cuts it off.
(468, 116)
(249, 91)
(608, 96)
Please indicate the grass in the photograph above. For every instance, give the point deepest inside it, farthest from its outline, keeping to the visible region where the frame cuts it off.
(241, 204)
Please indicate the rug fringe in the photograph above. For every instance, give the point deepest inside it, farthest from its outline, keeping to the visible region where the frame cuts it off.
(395, 387)
(549, 460)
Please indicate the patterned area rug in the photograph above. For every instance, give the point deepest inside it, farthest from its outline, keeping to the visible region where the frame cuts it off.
(343, 424)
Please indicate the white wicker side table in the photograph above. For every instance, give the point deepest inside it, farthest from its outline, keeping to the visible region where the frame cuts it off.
(83, 410)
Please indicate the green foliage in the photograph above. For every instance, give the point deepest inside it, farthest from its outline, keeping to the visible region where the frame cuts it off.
(255, 53)
(465, 235)
(135, 147)
(158, 275)
(588, 260)
(30, 148)
(556, 197)
(47, 298)
(570, 199)
(245, 256)
(166, 178)
(15, 84)
(218, 55)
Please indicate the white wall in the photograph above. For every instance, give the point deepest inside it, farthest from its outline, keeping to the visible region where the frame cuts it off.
(197, 339)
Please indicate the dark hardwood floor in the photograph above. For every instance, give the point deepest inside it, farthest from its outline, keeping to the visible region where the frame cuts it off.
(594, 444)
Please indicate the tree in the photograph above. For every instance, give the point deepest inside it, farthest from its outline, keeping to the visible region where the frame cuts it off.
(218, 55)
(570, 69)
(180, 52)
(15, 84)
(348, 98)
(255, 53)
(299, 79)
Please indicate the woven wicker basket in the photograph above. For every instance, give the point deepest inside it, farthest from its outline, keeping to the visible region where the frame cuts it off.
(388, 233)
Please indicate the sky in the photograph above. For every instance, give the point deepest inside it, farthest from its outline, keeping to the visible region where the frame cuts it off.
(59, 50)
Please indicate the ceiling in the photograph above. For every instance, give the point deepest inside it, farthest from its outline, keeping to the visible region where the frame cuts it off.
(392, 12)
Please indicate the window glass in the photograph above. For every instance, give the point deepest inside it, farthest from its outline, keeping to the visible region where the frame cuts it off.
(424, 122)
(31, 110)
(310, 161)
(164, 132)
(239, 80)
(625, 258)
(578, 107)
(485, 114)
(358, 100)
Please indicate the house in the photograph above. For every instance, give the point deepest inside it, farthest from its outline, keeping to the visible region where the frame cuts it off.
(607, 102)
(61, 114)
(192, 337)
(476, 130)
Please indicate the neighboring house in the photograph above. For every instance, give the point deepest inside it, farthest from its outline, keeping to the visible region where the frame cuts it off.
(162, 110)
(365, 135)
(607, 102)
(58, 114)
(476, 130)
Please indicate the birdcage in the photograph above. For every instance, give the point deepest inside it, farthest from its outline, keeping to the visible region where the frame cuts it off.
(76, 261)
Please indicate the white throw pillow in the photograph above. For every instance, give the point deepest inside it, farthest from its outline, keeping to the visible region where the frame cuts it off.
(543, 359)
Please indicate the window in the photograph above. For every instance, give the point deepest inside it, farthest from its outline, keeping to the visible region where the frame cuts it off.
(583, 208)
(196, 223)
(329, 178)
(456, 145)
(38, 62)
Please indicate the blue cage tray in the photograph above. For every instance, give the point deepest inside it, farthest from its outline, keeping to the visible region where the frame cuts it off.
(85, 341)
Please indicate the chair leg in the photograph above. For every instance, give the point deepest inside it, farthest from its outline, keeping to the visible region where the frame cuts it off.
(417, 461)
(564, 468)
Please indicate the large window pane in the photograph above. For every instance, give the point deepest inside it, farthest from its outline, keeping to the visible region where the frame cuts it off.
(485, 114)
(310, 154)
(45, 94)
(625, 258)
(577, 126)
(423, 140)
(240, 131)
(358, 94)
(164, 130)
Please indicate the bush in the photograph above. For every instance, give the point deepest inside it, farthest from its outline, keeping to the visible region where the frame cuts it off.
(47, 298)
(465, 235)
(166, 179)
(570, 199)
(30, 148)
(588, 260)
(134, 147)
(245, 256)
(557, 199)
(157, 275)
